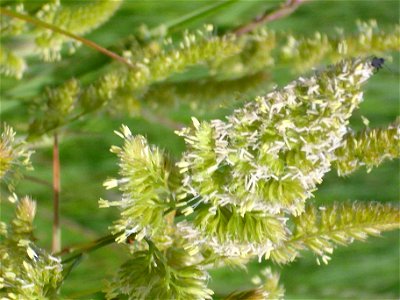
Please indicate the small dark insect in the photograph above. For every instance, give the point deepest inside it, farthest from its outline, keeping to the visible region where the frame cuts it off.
(377, 62)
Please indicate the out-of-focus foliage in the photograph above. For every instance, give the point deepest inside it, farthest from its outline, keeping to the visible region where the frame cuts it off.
(77, 18)
(269, 288)
(206, 93)
(304, 52)
(121, 88)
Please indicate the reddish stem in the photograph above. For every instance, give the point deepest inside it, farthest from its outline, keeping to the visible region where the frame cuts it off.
(56, 238)
(284, 10)
(84, 41)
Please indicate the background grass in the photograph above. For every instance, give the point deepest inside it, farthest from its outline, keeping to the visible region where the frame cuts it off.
(361, 271)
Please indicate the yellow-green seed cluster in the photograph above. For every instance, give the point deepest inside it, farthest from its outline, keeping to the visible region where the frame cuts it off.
(26, 272)
(270, 155)
(14, 156)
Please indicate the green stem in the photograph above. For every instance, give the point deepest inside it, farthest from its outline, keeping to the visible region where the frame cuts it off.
(69, 269)
(84, 41)
(38, 180)
(34, 136)
(191, 17)
(84, 294)
(78, 251)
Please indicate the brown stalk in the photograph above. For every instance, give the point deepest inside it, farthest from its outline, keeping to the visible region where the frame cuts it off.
(282, 11)
(56, 236)
(84, 41)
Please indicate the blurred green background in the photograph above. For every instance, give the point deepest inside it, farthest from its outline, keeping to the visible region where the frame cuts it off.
(361, 271)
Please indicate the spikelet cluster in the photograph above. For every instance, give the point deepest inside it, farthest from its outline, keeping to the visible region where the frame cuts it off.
(146, 188)
(304, 53)
(368, 148)
(266, 50)
(14, 156)
(321, 229)
(26, 272)
(231, 61)
(243, 188)
(55, 106)
(196, 48)
(269, 156)
(11, 64)
(256, 54)
(121, 89)
(152, 274)
(77, 18)
(205, 94)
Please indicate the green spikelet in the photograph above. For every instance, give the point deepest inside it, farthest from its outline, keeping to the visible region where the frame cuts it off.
(27, 272)
(150, 274)
(256, 55)
(269, 156)
(320, 229)
(13, 26)
(145, 185)
(201, 95)
(306, 52)
(75, 18)
(11, 64)
(14, 156)
(121, 89)
(272, 153)
(368, 148)
(230, 234)
(194, 49)
(58, 104)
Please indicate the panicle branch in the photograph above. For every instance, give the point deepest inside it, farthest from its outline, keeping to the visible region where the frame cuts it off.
(57, 25)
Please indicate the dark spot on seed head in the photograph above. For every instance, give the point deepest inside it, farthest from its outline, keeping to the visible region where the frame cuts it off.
(377, 62)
